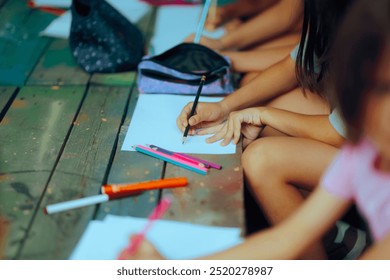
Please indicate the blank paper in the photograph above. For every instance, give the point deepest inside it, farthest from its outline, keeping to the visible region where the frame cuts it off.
(103, 240)
(154, 122)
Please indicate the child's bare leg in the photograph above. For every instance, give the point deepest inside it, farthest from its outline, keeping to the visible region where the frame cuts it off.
(273, 166)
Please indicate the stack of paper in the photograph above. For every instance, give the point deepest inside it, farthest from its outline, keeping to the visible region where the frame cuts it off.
(103, 240)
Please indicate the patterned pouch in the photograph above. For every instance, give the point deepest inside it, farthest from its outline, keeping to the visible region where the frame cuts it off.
(179, 70)
(102, 40)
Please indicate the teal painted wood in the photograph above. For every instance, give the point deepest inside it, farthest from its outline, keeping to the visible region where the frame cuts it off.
(5, 95)
(20, 44)
(31, 137)
(213, 199)
(2, 2)
(129, 167)
(57, 67)
(80, 172)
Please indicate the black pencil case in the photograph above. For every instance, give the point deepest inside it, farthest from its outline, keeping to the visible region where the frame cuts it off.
(179, 70)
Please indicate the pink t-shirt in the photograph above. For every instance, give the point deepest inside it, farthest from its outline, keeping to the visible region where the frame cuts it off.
(353, 176)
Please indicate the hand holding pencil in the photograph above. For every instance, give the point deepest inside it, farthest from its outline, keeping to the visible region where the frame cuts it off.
(207, 114)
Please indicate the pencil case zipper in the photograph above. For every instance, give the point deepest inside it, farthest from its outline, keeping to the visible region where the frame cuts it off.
(169, 78)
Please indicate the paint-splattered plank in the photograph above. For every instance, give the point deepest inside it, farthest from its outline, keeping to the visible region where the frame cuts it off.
(80, 172)
(20, 44)
(117, 79)
(213, 199)
(6, 94)
(32, 134)
(131, 167)
(58, 67)
(146, 25)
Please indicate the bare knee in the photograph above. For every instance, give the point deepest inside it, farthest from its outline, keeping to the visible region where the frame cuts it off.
(258, 161)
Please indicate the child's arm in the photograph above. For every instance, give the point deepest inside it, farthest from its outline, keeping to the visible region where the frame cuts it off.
(290, 239)
(379, 251)
(275, 81)
(274, 21)
(317, 127)
(287, 240)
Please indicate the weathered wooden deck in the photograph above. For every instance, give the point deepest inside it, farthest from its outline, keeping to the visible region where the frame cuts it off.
(60, 136)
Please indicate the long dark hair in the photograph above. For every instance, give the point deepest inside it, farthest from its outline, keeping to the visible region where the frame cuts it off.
(363, 39)
(320, 23)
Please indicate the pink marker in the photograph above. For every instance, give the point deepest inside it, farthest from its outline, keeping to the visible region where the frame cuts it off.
(156, 214)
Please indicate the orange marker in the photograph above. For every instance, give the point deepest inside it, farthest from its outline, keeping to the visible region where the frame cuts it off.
(122, 189)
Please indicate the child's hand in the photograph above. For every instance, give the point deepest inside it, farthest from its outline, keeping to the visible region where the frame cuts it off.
(218, 17)
(146, 251)
(208, 114)
(214, 44)
(246, 122)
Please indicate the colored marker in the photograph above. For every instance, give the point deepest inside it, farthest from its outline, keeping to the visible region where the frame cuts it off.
(77, 203)
(157, 213)
(120, 189)
(171, 159)
(113, 191)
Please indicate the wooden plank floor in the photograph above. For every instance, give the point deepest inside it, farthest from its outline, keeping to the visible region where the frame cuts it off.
(57, 67)
(30, 131)
(6, 94)
(20, 47)
(61, 132)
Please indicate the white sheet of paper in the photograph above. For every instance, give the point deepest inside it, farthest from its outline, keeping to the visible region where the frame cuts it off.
(53, 3)
(133, 10)
(174, 24)
(154, 122)
(59, 27)
(103, 240)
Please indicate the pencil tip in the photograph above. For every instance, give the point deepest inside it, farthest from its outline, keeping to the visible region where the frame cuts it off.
(184, 140)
